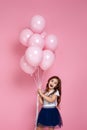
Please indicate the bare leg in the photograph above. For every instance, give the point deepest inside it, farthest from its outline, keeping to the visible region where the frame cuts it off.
(39, 128)
(51, 128)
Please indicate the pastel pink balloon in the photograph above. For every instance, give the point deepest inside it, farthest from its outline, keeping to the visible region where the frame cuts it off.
(43, 34)
(37, 23)
(47, 59)
(24, 36)
(26, 67)
(36, 40)
(33, 55)
(51, 42)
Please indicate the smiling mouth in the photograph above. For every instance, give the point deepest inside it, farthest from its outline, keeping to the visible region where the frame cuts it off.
(51, 85)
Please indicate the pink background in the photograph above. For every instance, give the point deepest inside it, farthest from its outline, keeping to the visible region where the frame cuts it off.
(68, 20)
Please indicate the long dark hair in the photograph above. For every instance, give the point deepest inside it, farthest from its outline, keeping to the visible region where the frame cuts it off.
(57, 87)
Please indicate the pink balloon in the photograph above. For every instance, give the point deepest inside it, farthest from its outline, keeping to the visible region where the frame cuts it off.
(51, 42)
(33, 55)
(36, 40)
(43, 34)
(47, 60)
(26, 67)
(37, 23)
(24, 36)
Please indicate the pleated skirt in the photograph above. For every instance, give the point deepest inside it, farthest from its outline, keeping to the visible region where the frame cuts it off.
(49, 117)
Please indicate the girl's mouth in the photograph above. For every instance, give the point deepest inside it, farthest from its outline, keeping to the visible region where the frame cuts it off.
(51, 85)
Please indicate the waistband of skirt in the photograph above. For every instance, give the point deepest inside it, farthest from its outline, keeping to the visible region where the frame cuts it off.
(49, 107)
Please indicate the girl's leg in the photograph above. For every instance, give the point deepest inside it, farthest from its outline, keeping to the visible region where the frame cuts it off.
(39, 128)
(51, 128)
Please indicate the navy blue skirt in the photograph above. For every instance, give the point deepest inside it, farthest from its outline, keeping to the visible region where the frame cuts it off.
(49, 117)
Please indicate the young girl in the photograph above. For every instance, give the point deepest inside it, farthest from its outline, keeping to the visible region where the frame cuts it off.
(49, 115)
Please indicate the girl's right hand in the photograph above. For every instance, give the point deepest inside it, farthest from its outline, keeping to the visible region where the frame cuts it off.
(40, 92)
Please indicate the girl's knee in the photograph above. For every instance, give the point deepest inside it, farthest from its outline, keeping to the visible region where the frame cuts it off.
(51, 128)
(39, 128)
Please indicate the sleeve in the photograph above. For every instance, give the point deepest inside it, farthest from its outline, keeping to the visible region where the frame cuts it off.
(57, 93)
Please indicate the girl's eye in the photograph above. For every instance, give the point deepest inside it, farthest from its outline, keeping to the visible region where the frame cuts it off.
(55, 83)
(51, 80)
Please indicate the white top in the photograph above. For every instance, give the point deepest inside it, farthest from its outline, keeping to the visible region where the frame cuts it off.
(47, 104)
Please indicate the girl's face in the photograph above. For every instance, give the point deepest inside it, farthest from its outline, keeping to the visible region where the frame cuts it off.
(53, 83)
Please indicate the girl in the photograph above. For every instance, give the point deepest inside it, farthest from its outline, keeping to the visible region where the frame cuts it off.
(49, 115)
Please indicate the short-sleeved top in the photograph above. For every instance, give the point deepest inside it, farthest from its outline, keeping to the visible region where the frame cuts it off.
(47, 104)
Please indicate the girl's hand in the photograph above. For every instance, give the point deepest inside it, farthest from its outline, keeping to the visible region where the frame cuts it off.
(40, 92)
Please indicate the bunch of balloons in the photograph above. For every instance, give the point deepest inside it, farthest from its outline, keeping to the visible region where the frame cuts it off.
(40, 52)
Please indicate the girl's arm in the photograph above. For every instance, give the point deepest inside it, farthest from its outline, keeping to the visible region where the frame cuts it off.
(49, 99)
(40, 100)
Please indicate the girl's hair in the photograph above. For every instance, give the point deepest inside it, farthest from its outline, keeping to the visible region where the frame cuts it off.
(57, 87)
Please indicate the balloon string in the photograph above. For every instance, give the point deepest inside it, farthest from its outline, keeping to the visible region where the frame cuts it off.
(38, 81)
(37, 104)
(36, 101)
